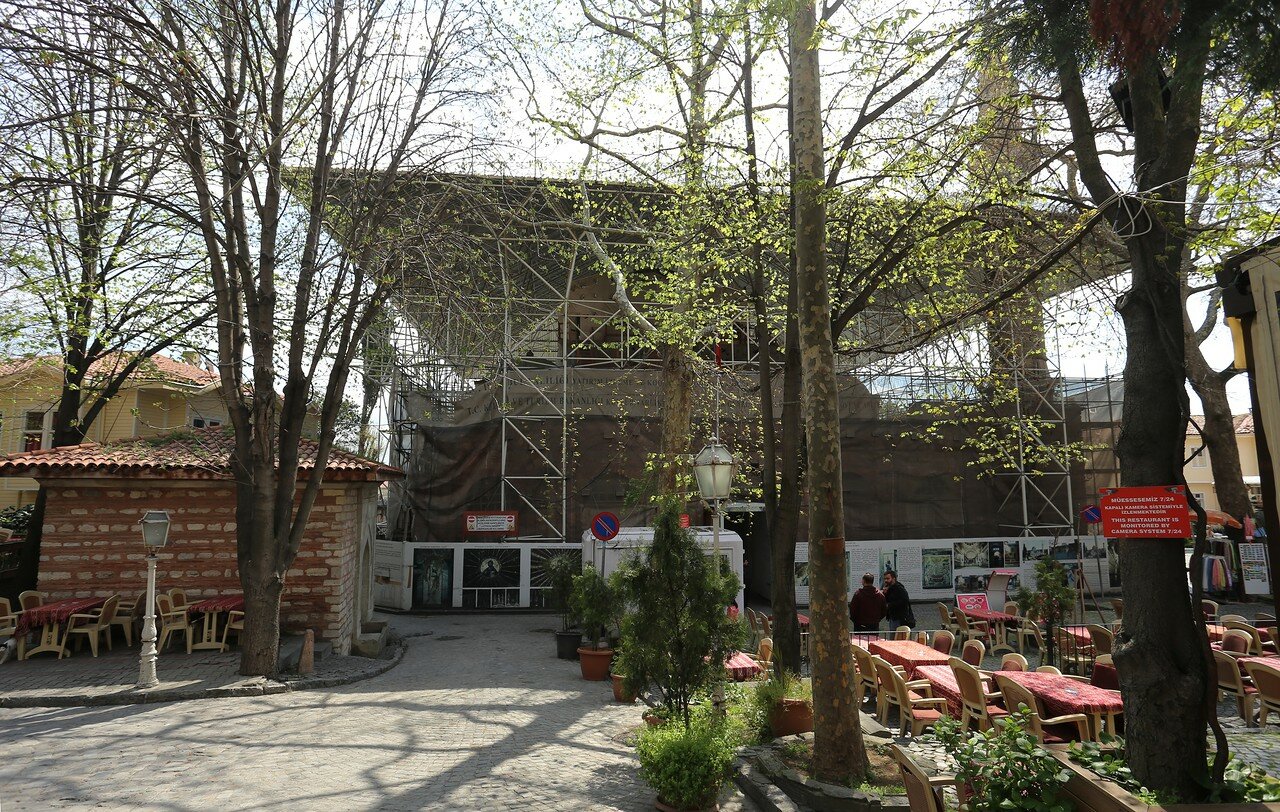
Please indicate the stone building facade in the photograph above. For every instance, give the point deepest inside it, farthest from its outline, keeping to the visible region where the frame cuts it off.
(92, 545)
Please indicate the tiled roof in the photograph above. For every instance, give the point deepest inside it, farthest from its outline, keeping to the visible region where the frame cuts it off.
(1243, 423)
(188, 454)
(156, 368)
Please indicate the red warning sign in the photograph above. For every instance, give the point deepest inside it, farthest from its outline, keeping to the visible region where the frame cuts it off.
(1154, 512)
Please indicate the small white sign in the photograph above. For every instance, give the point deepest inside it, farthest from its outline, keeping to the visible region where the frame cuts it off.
(1257, 577)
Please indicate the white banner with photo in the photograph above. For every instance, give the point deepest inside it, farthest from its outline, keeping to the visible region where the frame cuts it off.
(939, 569)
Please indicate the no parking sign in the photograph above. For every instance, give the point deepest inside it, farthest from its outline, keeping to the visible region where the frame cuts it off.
(605, 525)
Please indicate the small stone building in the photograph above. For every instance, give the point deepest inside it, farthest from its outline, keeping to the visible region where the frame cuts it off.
(92, 544)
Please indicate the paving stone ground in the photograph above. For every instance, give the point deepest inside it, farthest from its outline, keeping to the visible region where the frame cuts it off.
(109, 678)
(478, 716)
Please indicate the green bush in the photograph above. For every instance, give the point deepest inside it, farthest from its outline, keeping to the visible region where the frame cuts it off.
(686, 765)
(560, 571)
(1005, 767)
(676, 633)
(594, 604)
(17, 519)
(768, 695)
(1241, 783)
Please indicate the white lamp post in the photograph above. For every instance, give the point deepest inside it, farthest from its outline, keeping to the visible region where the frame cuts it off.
(714, 468)
(155, 533)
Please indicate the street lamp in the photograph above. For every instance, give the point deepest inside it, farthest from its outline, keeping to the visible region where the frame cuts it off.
(713, 468)
(155, 534)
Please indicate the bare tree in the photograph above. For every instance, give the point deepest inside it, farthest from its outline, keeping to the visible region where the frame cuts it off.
(108, 274)
(293, 123)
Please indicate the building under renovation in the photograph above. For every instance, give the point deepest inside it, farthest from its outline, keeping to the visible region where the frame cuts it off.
(523, 400)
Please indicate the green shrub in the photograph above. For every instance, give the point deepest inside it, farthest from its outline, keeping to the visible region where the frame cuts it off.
(1241, 783)
(686, 765)
(594, 604)
(676, 632)
(1005, 767)
(560, 570)
(16, 518)
(768, 695)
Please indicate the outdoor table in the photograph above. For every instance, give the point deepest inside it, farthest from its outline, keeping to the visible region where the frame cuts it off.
(863, 639)
(1269, 659)
(1216, 632)
(1062, 696)
(211, 608)
(943, 680)
(998, 623)
(50, 617)
(741, 667)
(907, 653)
(1081, 634)
(802, 619)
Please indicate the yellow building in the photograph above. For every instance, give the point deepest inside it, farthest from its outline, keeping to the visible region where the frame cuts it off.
(162, 395)
(1199, 472)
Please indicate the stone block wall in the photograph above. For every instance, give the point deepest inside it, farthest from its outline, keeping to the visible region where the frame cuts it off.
(92, 547)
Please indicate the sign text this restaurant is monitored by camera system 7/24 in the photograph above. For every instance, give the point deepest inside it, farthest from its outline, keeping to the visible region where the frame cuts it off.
(1154, 512)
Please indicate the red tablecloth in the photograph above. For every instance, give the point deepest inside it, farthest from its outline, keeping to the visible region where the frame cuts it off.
(992, 617)
(1062, 696)
(803, 619)
(862, 640)
(943, 680)
(907, 653)
(1081, 634)
(55, 612)
(1269, 659)
(220, 603)
(740, 666)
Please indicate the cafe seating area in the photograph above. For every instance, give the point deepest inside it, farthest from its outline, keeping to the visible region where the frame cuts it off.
(67, 626)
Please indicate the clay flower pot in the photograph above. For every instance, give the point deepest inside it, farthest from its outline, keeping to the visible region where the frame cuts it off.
(594, 663)
(620, 692)
(791, 716)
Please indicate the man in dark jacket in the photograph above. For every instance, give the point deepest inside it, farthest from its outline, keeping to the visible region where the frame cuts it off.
(898, 602)
(867, 608)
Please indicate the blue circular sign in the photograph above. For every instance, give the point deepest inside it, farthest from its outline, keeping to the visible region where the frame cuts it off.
(1091, 514)
(604, 526)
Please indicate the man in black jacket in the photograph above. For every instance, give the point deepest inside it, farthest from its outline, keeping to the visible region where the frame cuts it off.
(898, 602)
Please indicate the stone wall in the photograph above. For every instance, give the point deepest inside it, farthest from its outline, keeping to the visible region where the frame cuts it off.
(92, 547)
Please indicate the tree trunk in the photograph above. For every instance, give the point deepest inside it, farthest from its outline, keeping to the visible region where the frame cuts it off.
(837, 745)
(260, 579)
(677, 416)
(1162, 669)
(1219, 434)
(785, 527)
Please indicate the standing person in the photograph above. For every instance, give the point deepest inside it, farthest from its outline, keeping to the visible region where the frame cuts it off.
(868, 606)
(898, 602)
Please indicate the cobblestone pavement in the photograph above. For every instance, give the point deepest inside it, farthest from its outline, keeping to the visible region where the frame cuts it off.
(44, 680)
(479, 716)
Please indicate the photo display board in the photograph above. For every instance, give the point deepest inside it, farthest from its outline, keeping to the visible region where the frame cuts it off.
(940, 569)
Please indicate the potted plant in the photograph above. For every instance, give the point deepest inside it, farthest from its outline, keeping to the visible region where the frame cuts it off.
(595, 605)
(560, 571)
(685, 765)
(676, 635)
(1000, 768)
(786, 704)
(1049, 601)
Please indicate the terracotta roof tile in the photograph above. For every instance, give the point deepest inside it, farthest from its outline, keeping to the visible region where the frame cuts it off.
(1243, 423)
(188, 454)
(156, 368)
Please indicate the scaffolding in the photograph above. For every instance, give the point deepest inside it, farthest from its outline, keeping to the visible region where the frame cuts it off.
(526, 328)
